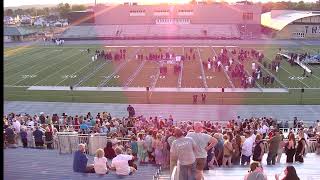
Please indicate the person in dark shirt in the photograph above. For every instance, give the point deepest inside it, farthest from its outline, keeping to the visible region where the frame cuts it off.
(258, 150)
(195, 99)
(23, 135)
(203, 98)
(49, 138)
(38, 137)
(80, 161)
(131, 111)
(10, 135)
(109, 152)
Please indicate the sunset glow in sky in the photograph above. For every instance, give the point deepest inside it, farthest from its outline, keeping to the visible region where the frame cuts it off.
(9, 3)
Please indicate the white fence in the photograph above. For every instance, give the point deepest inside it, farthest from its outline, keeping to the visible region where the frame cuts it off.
(68, 142)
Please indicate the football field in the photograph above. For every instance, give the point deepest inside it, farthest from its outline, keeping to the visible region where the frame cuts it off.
(45, 73)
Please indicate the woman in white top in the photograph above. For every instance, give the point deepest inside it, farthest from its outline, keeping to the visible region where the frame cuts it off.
(100, 162)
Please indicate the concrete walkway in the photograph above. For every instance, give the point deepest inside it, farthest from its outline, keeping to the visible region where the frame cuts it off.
(143, 89)
(193, 42)
(308, 113)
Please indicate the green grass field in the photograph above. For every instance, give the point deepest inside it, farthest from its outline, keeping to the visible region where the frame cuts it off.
(68, 65)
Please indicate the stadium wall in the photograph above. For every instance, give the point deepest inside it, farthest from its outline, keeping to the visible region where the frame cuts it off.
(305, 28)
(194, 14)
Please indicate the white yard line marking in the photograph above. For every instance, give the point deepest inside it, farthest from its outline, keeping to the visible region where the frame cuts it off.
(181, 70)
(23, 63)
(57, 72)
(74, 73)
(204, 79)
(119, 68)
(289, 73)
(226, 73)
(87, 77)
(45, 61)
(48, 67)
(18, 55)
(139, 68)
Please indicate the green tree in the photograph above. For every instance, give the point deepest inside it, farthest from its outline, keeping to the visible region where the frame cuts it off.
(63, 9)
(301, 5)
(19, 12)
(78, 7)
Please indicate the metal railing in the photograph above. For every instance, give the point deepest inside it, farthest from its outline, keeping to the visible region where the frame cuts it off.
(175, 173)
(68, 142)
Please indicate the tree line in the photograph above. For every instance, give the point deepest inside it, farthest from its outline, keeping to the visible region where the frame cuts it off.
(61, 9)
(64, 9)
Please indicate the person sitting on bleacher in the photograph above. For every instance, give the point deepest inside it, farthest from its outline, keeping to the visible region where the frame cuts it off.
(100, 162)
(80, 161)
(120, 163)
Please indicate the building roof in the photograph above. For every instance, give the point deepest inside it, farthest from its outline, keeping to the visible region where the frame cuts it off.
(16, 31)
(278, 19)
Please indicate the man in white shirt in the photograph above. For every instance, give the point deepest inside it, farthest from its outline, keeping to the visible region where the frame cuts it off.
(202, 140)
(16, 125)
(31, 123)
(253, 66)
(247, 148)
(120, 163)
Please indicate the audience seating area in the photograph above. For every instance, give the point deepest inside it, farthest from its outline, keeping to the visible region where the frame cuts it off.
(215, 31)
(50, 165)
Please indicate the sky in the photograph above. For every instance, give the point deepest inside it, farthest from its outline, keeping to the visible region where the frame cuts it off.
(11, 3)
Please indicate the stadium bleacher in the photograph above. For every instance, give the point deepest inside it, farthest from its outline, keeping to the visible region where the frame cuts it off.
(215, 31)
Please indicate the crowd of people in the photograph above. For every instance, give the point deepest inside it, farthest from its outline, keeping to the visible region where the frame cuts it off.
(160, 141)
(232, 61)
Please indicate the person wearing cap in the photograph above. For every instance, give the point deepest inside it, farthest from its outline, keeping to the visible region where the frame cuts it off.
(202, 140)
(274, 143)
(183, 149)
(255, 172)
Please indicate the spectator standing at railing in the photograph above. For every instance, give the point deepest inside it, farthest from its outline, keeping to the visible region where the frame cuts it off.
(158, 146)
(274, 143)
(227, 151)
(183, 149)
(134, 146)
(236, 144)
(290, 148)
(84, 127)
(300, 148)
(30, 137)
(49, 137)
(142, 149)
(202, 140)
(258, 150)
(24, 135)
(281, 148)
(38, 137)
(247, 146)
(76, 123)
